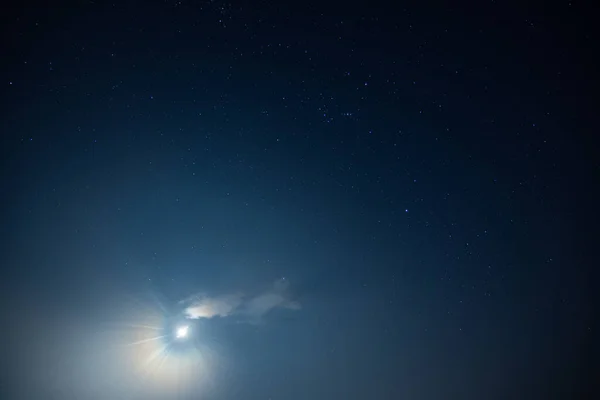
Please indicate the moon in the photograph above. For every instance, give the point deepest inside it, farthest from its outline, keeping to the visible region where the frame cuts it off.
(182, 332)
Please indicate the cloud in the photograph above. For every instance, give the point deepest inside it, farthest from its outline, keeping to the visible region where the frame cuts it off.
(208, 307)
(254, 307)
(262, 304)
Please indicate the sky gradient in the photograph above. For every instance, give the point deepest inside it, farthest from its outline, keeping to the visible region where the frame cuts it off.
(340, 202)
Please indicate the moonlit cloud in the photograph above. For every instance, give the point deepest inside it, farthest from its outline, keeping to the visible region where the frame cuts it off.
(208, 307)
(253, 307)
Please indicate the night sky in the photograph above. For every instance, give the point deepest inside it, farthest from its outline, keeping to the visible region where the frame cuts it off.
(338, 201)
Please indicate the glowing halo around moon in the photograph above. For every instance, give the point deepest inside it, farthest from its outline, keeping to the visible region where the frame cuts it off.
(160, 352)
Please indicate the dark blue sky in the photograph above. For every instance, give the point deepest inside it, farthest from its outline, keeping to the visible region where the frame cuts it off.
(351, 202)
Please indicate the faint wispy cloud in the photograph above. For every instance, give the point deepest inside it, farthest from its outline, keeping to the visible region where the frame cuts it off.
(252, 307)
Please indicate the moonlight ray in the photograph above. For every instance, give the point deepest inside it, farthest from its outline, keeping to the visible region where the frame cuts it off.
(146, 340)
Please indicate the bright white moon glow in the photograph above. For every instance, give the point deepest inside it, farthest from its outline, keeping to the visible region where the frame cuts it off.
(182, 332)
